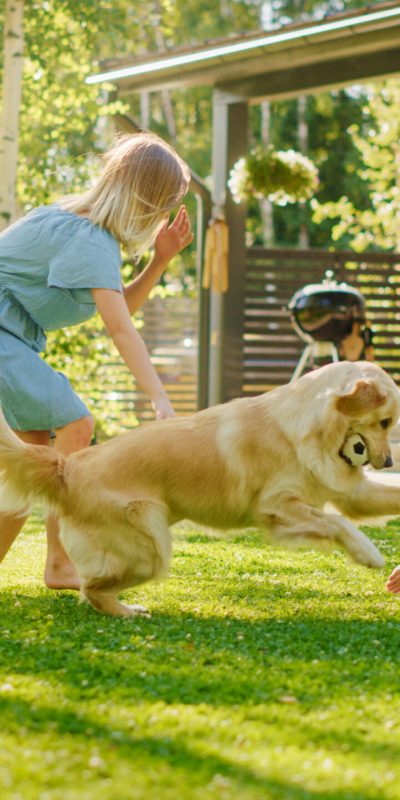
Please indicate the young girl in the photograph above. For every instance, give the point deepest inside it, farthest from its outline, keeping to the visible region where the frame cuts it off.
(60, 264)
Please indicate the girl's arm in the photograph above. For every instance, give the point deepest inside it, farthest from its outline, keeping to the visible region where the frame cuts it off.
(114, 312)
(170, 241)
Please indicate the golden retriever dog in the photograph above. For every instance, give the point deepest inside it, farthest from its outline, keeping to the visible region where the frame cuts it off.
(272, 462)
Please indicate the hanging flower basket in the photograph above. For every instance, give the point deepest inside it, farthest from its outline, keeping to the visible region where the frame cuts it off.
(282, 176)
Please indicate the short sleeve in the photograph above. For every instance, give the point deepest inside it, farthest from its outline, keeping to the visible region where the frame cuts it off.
(86, 264)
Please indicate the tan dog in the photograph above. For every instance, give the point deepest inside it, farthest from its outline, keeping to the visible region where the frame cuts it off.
(271, 461)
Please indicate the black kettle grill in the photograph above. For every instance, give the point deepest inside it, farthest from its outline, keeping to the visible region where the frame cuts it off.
(323, 314)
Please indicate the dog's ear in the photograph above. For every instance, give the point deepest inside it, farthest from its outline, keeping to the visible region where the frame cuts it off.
(363, 397)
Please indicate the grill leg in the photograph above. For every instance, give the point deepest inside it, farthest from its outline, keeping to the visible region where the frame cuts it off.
(302, 363)
(311, 351)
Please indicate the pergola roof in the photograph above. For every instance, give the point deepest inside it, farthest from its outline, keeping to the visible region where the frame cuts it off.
(294, 59)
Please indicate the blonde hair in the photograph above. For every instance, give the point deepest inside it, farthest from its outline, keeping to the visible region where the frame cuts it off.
(142, 180)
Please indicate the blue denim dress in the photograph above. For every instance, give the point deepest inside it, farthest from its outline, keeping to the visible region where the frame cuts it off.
(49, 262)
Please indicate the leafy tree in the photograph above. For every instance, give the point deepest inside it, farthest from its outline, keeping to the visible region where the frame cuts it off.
(374, 223)
(317, 125)
(63, 123)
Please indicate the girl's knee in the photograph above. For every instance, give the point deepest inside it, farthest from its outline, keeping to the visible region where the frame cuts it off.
(76, 435)
(86, 429)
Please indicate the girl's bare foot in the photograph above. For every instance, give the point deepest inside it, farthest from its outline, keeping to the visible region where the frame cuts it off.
(393, 584)
(61, 575)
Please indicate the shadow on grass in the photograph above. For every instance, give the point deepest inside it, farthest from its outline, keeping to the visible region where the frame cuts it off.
(183, 658)
(197, 768)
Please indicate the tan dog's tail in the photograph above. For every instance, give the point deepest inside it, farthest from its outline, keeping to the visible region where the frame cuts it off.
(28, 473)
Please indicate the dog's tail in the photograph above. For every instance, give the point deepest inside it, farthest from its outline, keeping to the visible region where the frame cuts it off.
(28, 473)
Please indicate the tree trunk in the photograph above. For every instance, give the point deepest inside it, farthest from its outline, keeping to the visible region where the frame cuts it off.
(266, 207)
(13, 43)
(302, 131)
(166, 102)
(145, 109)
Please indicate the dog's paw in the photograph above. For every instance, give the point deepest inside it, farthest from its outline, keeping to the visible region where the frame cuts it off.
(359, 546)
(136, 610)
(368, 555)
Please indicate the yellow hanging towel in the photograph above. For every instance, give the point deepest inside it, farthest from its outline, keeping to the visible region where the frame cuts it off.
(216, 257)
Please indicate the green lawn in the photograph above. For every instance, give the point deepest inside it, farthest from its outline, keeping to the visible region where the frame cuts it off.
(261, 674)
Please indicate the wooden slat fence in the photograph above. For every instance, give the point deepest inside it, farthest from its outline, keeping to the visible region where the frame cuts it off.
(271, 348)
(169, 326)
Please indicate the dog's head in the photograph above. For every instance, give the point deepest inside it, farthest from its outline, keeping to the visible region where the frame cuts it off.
(324, 408)
(371, 408)
(360, 399)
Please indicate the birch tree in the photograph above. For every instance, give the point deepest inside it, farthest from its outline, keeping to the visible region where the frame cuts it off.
(13, 44)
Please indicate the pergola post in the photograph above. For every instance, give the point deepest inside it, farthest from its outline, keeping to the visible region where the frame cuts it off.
(226, 310)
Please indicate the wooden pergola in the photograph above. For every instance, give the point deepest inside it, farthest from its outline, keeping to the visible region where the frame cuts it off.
(286, 62)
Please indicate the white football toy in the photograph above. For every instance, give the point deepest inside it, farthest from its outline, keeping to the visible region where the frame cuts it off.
(355, 451)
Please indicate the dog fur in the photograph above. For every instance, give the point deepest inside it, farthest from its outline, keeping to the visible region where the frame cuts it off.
(270, 461)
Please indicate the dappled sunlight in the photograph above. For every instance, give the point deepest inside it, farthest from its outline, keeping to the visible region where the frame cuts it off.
(261, 673)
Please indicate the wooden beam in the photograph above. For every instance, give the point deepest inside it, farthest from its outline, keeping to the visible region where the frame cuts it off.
(226, 333)
(233, 332)
(318, 76)
(230, 72)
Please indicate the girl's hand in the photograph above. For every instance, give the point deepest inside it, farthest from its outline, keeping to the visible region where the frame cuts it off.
(173, 238)
(162, 408)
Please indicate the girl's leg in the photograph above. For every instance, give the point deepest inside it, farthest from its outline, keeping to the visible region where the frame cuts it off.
(10, 526)
(59, 571)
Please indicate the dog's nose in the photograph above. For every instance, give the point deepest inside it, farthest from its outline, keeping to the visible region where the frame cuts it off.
(388, 462)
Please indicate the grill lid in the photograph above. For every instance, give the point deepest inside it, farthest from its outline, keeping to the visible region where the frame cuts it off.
(325, 312)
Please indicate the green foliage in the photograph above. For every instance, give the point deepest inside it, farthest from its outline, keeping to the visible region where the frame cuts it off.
(62, 121)
(262, 675)
(377, 140)
(328, 118)
(330, 145)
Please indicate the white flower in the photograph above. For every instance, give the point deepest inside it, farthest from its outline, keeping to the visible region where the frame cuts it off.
(283, 176)
(238, 179)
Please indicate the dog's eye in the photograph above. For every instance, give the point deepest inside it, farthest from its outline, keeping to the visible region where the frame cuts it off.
(385, 423)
